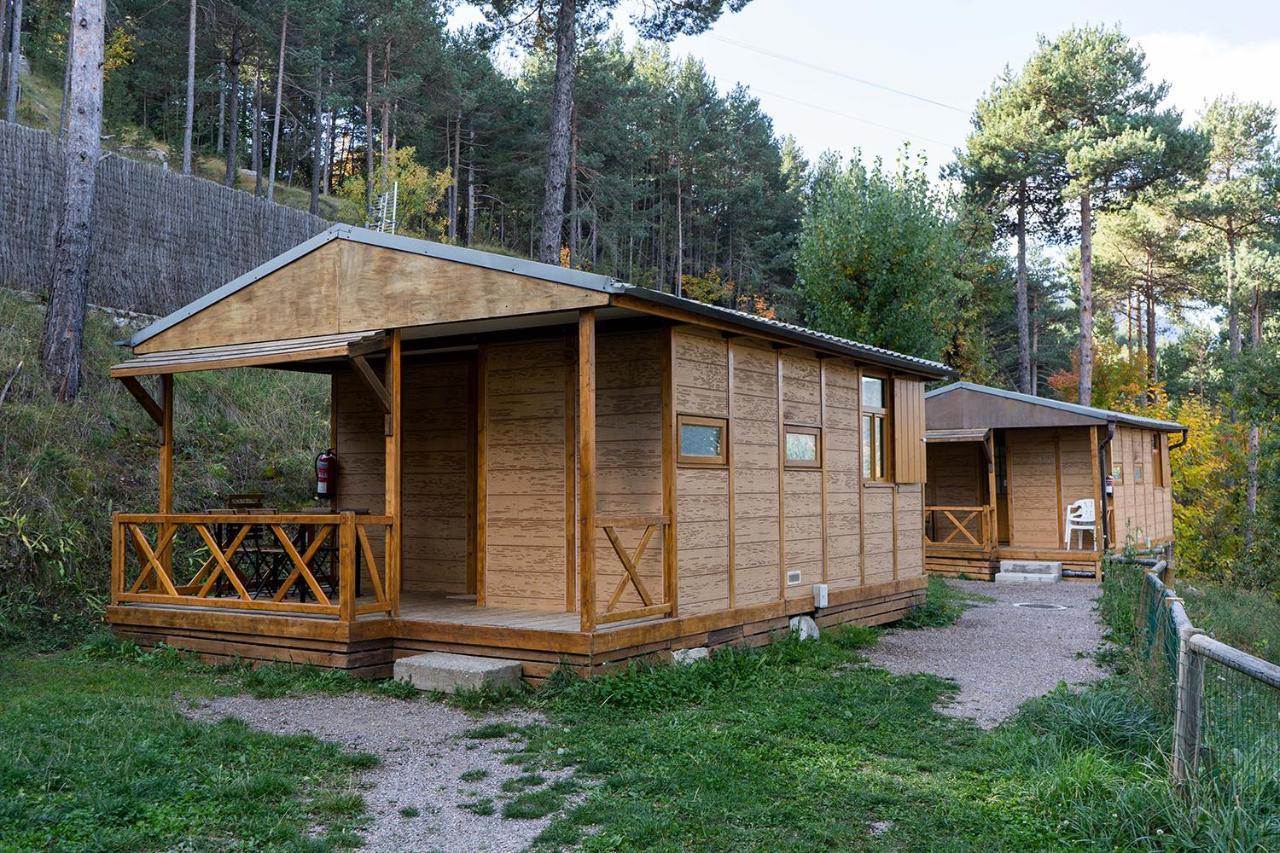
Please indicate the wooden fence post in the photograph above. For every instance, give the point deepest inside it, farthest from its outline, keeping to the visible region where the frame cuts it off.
(1190, 702)
(117, 558)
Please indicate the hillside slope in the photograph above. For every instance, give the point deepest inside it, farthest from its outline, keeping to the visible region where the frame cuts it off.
(65, 467)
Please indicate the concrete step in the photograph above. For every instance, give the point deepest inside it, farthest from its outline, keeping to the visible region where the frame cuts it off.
(449, 673)
(1029, 571)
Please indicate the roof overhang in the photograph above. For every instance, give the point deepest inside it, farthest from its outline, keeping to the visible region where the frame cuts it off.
(1032, 411)
(953, 436)
(294, 352)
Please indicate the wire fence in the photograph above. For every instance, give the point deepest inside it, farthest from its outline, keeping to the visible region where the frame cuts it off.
(1226, 702)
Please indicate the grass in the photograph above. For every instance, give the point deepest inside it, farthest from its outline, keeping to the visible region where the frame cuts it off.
(1241, 618)
(943, 605)
(97, 756)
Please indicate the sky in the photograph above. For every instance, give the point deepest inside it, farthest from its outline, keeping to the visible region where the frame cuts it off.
(823, 68)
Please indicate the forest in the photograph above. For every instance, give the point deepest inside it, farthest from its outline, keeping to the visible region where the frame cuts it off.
(1087, 242)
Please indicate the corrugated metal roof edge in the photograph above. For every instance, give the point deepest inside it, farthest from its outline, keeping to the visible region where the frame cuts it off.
(1061, 405)
(546, 272)
(809, 337)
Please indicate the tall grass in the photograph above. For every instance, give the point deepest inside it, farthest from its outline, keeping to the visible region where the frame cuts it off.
(65, 467)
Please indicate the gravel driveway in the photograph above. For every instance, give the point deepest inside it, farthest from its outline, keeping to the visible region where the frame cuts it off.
(999, 654)
(424, 752)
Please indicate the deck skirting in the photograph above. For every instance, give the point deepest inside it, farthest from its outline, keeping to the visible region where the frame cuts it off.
(367, 648)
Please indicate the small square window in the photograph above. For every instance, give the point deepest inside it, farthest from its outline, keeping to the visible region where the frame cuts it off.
(804, 447)
(703, 440)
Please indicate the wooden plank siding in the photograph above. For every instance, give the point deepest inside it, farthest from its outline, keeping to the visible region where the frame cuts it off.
(628, 456)
(828, 515)
(525, 508)
(1143, 511)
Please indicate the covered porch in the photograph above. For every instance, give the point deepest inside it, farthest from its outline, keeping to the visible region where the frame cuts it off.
(969, 510)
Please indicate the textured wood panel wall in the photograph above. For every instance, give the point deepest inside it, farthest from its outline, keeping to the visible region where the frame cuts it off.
(525, 554)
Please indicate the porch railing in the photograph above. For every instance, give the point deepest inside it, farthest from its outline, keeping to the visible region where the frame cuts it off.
(653, 602)
(958, 527)
(314, 564)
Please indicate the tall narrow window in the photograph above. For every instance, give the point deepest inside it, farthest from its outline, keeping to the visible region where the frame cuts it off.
(1157, 460)
(875, 450)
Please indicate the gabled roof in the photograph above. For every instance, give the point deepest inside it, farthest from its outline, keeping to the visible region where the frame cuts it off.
(558, 275)
(1072, 409)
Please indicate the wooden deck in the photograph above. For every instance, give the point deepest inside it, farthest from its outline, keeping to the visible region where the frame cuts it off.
(419, 607)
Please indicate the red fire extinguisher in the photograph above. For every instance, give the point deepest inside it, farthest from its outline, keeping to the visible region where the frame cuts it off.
(326, 473)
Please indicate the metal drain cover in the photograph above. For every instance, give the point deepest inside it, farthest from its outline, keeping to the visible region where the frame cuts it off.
(1035, 606)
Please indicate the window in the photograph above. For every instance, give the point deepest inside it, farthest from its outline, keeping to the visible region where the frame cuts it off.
(804, 447)
(1117, 473)
(1157, 460)
(875, 451)
(703, 440)
(1137, 473)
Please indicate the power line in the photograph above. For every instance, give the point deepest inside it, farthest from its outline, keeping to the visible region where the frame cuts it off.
(862, 80)
(906, 133)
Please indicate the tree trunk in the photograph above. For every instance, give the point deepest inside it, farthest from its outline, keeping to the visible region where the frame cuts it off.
(574, 224)
(456, 168)
(68, 291)
(679, 272)
(471, 184)
(1024, 317)
(1255, 433)
(222, 106)
(1233, 313)
(15, 64)
(66, 82)
(330, 150)
(558, 142)
(4, 46)
(190, 118)
(386, 115)
(233, 136)
(1151, 335)
(368, 126)
(257, 131)
(317, 142)
(275, 122)
(1085, 387)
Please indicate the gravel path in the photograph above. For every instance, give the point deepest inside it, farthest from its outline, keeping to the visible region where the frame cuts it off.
(1002, 655)
(423, 754)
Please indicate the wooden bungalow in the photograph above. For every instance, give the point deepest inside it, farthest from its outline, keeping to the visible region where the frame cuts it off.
(533, 463)
(1017, 477)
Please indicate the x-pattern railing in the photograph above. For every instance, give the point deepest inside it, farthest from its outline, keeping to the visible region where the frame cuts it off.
(650, 606)
(252, 561)
(955, 526)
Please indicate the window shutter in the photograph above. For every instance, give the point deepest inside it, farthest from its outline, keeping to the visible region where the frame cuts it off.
(908, 430)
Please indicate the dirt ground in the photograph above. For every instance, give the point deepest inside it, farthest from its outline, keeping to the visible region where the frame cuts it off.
(1000, 653)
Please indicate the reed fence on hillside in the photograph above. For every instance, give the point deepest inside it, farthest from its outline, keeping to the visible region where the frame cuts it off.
(160, 239)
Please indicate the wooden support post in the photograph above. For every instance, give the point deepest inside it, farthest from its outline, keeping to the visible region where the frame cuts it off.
(165, 478)
(347, 566)
(117, 558)
(587, 468)
(570, 475)
(391, 505)
(670, 443)
(482, 470)
(993, 526)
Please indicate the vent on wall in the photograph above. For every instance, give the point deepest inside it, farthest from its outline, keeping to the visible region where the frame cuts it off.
(793, 578)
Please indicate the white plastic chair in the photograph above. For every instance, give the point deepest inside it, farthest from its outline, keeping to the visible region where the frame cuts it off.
(1081, 517)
